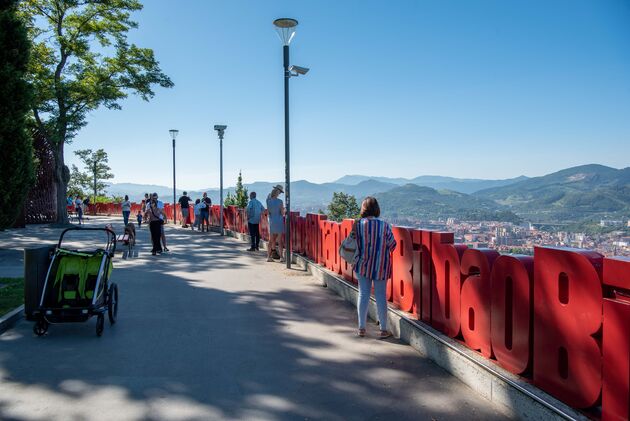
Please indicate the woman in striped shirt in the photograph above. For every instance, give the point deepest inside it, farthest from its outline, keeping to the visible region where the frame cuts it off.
(376, 243)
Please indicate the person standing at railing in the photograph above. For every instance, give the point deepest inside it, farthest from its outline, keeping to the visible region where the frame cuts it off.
(375, 241)
(204, 212)
(197, 210)
(275, 211)
(126, 209)
(254, 210)
(184, 204)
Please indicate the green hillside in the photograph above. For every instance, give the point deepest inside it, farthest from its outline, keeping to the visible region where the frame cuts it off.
(574, 194)
(418, 202)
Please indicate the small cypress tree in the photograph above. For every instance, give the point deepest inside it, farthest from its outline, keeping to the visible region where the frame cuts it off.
(16, 165)
(240, 195)
(229, 200)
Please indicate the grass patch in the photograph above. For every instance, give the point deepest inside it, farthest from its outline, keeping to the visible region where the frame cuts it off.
(11, 294)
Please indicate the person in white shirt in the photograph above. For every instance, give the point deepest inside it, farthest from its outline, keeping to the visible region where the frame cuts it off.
(126, 209)
(197, 214)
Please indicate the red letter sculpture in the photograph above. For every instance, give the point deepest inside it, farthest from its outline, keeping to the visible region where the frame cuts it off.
(567, 313)
(511, 311)
(475, 298)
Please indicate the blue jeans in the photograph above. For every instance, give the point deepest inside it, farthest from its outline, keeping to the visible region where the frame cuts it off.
(365, 289)
(126, 217)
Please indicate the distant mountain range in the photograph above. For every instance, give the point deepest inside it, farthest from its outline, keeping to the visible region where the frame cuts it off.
(572, 194)
(462, 185)
(411, 203)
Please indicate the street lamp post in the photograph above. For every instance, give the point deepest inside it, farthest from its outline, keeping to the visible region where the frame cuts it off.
(220, 131)
(286, 30)
(174, 133)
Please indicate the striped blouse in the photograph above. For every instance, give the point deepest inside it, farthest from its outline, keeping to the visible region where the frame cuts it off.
(376, 243)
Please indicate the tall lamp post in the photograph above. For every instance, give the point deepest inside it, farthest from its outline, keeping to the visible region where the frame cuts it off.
(286, 30)
(174, 133)
(220, 131)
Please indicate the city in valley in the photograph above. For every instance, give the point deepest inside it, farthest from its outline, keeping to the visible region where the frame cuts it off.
(507, 237)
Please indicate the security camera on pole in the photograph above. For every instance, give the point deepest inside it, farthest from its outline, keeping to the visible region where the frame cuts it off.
(286, 30)
(220, 131)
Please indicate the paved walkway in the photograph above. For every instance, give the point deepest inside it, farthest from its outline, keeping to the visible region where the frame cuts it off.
(209, 331)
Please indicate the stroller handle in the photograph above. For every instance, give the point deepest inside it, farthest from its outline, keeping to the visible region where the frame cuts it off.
(110, 247)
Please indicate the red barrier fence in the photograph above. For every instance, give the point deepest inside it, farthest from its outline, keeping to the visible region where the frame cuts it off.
(559, 318)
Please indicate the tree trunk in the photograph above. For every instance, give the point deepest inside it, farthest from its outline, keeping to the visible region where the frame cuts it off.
(62, 185)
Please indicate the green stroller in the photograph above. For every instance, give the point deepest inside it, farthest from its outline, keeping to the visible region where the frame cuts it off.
(77, 286)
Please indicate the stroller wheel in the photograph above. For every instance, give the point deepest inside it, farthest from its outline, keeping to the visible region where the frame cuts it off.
(100, 324)
(40, 328)
(112, 304)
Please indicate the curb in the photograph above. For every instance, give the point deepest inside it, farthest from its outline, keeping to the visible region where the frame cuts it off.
(513, 394)
(11, 318)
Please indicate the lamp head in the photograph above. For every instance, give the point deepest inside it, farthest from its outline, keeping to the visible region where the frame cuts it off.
(286, 29)
(173, 133)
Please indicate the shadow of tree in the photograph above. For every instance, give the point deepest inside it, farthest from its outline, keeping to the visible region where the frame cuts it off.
(209, 332)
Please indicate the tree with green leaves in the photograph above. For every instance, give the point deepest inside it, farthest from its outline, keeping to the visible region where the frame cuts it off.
(81, 60)
(240, 195)
(96, 171)
(78, 182)
(343, 206)
(16, 165)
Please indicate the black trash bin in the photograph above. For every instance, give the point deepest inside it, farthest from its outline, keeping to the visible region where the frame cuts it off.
(36, 263)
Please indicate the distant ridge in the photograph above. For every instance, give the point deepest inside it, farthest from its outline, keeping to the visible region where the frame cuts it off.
(570, 195)
(462, 185)
(573, 194)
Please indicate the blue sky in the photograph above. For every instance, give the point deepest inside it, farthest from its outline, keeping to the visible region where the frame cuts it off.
(479, 89)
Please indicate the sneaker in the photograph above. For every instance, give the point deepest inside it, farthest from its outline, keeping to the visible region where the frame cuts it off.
(269, 259)
(153, 253)
(251, 249)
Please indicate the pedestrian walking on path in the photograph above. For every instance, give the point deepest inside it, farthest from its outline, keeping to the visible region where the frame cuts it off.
(160, 206)
(78, 203)
(155, 216)
(254, 210)
(126, 209)
(375, 241)
(275, 209)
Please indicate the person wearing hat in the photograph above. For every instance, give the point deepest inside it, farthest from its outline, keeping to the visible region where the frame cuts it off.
(275, 210)
(155, 216)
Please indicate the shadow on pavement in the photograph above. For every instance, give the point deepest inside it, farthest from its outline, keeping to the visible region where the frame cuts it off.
(210, 332)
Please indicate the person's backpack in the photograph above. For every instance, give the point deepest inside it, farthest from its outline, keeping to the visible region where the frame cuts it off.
(349, 248)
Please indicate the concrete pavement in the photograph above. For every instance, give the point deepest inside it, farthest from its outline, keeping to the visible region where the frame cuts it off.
(210, 331)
